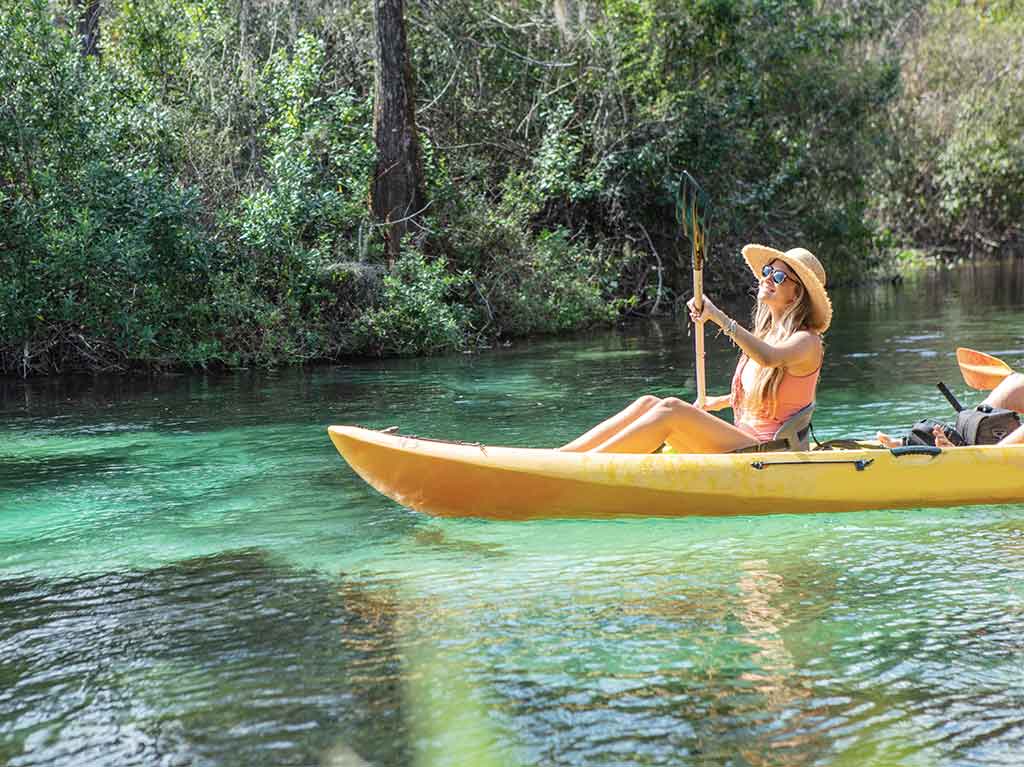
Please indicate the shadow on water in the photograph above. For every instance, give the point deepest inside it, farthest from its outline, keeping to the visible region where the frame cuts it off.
(228, 659)
(59, 468)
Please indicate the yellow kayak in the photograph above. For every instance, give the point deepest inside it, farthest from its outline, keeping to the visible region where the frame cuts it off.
(466, 480)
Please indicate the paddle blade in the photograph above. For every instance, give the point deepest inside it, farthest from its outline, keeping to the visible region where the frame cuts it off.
(693, 211)
(981, 371)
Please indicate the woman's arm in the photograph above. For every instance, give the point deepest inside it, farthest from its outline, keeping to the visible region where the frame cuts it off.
(801, 350)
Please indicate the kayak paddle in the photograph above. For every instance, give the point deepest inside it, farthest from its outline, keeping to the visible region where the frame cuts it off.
(981, 371)
(694, 212)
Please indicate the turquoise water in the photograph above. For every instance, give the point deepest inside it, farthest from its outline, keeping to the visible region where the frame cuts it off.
(189, 574)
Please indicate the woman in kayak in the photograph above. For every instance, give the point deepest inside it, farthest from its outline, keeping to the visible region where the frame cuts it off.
(777, 374)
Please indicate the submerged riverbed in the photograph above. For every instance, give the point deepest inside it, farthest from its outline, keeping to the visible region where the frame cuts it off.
(189, 574)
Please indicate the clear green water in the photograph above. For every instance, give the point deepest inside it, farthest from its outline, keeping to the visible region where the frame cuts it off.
(189, 574)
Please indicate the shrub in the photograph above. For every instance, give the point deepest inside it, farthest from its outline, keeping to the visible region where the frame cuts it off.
(413, 314)
(555, 286)
(104, 255)
(956, 175)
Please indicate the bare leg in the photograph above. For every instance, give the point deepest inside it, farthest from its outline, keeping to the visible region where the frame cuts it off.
(606, 429)
(1015, 437)
(1009, 394)
(684, 427)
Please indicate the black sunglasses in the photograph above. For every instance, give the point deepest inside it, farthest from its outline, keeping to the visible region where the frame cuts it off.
(778, 276)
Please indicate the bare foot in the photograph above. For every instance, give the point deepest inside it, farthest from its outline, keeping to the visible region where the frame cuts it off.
(941, 440)
(888, 441)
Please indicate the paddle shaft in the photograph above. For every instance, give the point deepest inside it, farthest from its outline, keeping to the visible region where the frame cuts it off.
(698, 294)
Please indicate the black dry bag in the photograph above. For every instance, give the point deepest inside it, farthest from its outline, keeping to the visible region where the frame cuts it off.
(986, 425)
(982, 424)
(921, 433)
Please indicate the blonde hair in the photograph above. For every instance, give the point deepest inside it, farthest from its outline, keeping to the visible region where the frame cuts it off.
(767, 380)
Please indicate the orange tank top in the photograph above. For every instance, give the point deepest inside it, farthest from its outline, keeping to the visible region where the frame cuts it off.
(795, 393)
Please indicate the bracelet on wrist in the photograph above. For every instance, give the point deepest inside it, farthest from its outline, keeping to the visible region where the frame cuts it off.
(730, 330)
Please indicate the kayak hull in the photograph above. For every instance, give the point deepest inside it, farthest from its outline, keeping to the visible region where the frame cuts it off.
(465, 480)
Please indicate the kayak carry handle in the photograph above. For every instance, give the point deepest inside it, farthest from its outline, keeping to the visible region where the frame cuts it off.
(916, 450)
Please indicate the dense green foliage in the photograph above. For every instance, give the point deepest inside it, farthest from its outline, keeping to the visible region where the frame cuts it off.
(198, 195)
(954, 179)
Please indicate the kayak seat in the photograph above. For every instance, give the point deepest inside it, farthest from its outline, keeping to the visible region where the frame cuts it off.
(793, 435)
(796, 430)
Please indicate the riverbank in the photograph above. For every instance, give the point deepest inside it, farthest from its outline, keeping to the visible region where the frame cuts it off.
(983, 278)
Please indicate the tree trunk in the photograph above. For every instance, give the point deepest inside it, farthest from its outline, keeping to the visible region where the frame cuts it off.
(89, 26)
(397, 189)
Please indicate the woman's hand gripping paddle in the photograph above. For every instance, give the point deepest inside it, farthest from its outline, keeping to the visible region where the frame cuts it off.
(694, 210)
(982, 371)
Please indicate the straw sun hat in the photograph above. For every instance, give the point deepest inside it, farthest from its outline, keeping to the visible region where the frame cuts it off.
(807, 268)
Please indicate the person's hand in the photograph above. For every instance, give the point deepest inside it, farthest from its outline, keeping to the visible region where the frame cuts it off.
(941, 440)
(714, 404)
(709, 311)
